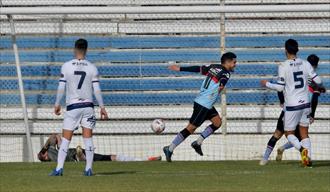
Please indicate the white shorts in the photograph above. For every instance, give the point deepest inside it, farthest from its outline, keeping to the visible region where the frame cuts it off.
(293, 118)
(81, 116)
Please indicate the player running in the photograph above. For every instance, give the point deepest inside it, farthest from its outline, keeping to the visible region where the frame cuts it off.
(217, 77)
(314, 92)
(293, 77)
(79, 78)
(49, 152)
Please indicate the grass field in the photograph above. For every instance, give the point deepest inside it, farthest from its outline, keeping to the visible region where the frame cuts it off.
(162, 176)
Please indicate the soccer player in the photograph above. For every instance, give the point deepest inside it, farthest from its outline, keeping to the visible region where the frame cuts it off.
(49, 152)
(216, 78)
(293, 77)
(79, 78)
(314, 92)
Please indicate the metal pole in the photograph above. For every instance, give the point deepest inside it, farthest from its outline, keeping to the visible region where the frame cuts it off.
(21, 89)
(222, 51)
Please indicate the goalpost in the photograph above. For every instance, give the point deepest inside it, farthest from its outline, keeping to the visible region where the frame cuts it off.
(132, 47)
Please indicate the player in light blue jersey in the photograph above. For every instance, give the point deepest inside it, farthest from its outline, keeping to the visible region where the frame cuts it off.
(216, 78)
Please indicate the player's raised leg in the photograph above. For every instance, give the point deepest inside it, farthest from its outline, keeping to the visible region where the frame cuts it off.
(281, 150)
(200, 114)
(180, 137)
(287, 145)
(209, 130)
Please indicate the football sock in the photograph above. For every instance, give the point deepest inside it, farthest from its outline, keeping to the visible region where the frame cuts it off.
(89, 152)
(306, 143)
(286, 146)
(270, 146)
(178, 139)
(207, 132)
(294, 141)
(62, 152)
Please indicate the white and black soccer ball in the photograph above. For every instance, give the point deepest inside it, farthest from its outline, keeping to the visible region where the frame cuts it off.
(158, 126)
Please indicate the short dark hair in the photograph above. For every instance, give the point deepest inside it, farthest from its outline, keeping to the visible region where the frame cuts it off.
(313, 60)
(228, 56)
(291, 46)
(81, 44)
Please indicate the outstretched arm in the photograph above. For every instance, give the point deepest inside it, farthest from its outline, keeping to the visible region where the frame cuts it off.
(275, 86)
(195, 69)
(279, 85)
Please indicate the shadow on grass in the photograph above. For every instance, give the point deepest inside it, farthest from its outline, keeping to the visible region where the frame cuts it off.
(115, 173)
(315, 163)
(321, 164)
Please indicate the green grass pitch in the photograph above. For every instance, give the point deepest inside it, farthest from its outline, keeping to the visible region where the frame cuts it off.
(206, 176)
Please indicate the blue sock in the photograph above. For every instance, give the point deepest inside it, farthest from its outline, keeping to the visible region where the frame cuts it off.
(287, 145)
(270, 146)
(207, 132)
(268, 151)
(178, 139)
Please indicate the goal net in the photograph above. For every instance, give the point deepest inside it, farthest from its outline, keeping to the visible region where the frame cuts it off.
(132, 52)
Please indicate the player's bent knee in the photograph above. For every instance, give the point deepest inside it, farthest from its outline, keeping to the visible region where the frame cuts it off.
(278, 134)
(191, 128)
(216, 121)
(67, 134)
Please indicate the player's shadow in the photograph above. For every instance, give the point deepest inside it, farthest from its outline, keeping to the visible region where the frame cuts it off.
(315, 164)
(322, 164)
(115, 173)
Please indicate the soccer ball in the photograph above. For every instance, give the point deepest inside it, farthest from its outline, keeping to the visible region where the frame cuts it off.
(158, 126)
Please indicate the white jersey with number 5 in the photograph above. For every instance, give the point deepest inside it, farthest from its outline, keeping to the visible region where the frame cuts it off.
(294, 75)
(79, 76)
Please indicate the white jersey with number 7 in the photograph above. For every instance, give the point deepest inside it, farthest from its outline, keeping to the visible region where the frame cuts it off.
(79, 76)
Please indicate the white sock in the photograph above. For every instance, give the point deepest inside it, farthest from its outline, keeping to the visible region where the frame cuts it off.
(294, 141)
(89, 152)
(286, 146)
(126, 158)
(62, 152)
(306, 143)
(200, 140)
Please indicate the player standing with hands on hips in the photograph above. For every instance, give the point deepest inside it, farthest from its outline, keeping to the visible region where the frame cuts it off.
(79, 78)
(293, 75)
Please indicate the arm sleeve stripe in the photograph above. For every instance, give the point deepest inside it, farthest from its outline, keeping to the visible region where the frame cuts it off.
(95, 81)
(314, 76)
(63, 81)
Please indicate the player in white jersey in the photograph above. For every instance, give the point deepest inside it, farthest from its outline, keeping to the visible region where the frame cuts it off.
(314, 92)
(79, 78)
(293, 77)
